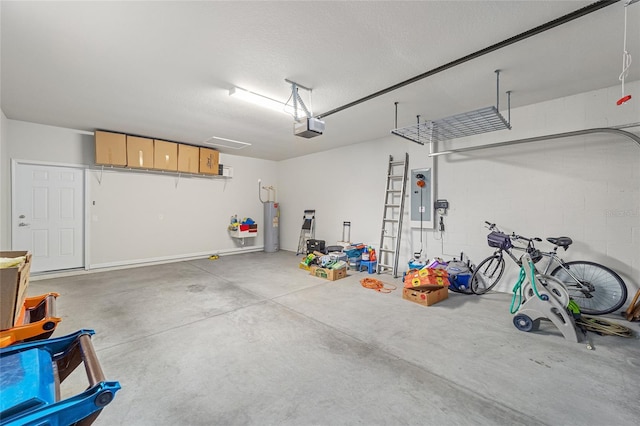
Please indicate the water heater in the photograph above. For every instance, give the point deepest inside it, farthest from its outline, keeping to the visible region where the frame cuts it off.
(271, 226)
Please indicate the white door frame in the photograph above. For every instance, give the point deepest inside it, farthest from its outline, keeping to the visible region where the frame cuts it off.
(85, 224)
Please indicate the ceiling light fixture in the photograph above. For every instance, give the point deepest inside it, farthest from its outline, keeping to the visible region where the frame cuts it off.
(226, 143)
(261, 100)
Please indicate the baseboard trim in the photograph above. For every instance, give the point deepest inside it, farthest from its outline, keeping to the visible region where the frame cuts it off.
(137, 263)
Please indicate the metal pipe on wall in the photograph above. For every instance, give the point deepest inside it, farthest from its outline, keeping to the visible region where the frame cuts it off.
(629, 135)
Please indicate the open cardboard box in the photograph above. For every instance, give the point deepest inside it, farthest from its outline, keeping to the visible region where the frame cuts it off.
(329, 274)
(13, 288)
(425, 297)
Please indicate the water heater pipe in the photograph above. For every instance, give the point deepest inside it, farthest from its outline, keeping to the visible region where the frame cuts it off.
(268, 189)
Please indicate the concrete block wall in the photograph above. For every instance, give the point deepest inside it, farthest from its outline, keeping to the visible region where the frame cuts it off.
(585, 187)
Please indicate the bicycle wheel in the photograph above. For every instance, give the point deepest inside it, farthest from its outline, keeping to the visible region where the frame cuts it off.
(487, 274)
(600, 290)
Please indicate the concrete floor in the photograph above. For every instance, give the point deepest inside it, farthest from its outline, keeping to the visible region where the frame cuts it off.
(252, 339)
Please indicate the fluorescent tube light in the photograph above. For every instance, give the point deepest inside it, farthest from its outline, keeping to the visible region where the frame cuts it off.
(264, 101)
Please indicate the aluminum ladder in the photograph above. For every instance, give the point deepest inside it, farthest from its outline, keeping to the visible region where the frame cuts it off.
(308, 230)
(393, 212)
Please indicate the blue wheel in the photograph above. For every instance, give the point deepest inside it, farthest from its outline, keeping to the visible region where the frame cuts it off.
(523, 322)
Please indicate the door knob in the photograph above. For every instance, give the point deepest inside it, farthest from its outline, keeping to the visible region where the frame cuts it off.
(23, 224)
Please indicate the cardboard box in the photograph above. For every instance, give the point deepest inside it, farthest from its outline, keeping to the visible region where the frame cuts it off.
(329, 274)
(188, 158)
(13, 288)
(209, 161)
(426, 278)
(139, 152)
(425, 297)
(111, 149)
(165, 155)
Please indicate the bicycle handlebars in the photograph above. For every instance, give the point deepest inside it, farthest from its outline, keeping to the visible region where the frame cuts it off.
(513, 236)
(520, 237)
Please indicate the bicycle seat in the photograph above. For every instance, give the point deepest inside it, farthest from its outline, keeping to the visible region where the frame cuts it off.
(561, 241)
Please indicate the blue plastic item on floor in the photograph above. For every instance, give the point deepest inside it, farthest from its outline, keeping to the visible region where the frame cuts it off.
(370, 265)
(30, 376)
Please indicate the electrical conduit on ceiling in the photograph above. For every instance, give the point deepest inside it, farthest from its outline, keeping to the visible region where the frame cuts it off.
(522, 36)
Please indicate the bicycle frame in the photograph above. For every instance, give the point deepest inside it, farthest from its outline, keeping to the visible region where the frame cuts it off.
(551, 255)
(596, 289)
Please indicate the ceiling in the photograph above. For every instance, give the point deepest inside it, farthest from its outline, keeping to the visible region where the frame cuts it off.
(164, 69)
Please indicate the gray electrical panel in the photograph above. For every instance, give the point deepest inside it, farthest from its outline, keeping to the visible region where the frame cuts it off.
(421, 195)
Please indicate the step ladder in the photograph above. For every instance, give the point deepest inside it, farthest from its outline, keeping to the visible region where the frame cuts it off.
(308, 230)
(393, 212)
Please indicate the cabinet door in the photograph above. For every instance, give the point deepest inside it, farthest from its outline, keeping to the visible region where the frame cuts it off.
(165, 155)
(111, 149)
(208, 161)
(188, 158)
(139, 152)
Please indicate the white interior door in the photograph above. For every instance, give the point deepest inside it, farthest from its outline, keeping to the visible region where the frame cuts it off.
(48, 215)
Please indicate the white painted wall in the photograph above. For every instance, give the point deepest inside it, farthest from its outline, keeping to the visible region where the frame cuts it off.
(5, 185)
(586, 187)
(5, 236)
(140, 217)
(345, 184)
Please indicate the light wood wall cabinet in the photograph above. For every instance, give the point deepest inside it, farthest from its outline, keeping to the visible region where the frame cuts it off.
(135, 152)
(111, 149)
(165, 155)
(209, 161)
(188, 158)
(139, 152)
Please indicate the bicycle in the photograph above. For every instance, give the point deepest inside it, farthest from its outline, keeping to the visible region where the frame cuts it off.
(595, 288)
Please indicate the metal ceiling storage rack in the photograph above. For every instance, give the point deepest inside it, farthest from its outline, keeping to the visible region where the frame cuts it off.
(470, 123)
(394, 196)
